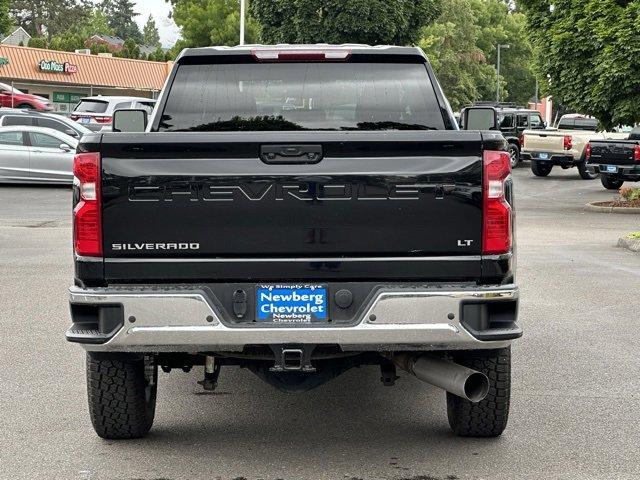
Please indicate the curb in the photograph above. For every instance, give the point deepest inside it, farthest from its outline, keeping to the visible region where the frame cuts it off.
(629, 243)
(597, 208)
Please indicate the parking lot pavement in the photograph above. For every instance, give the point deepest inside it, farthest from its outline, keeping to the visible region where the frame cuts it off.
(575, 403)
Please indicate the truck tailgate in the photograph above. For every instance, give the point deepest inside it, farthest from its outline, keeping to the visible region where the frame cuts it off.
(615, 152)
(371, 194)
(544, 141)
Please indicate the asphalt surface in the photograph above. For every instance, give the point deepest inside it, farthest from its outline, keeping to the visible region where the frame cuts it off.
(576, 377)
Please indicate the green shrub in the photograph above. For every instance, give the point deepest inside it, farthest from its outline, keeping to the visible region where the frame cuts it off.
(630, 194)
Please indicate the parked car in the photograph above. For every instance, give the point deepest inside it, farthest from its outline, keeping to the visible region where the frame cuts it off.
(513, 121)
(36, 155)
(12, 116)
(564, 146)
(11, 97)
(617, 161)
(362, 228)
(96, 113)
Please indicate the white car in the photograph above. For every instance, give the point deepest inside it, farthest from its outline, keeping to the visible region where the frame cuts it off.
(36, 155)
(10, 117)
(95, 113)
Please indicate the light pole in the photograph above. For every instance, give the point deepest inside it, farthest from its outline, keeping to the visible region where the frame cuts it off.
(498, 72)
(242, 6)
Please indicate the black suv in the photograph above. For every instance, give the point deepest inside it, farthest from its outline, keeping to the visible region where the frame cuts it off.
(514, 120)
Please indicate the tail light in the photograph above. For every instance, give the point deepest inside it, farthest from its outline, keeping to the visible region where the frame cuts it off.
(636, 153)
(87, 214)
(74, 117)
(496, 220)
(568, 142)
(102, 119)
(587, 153)
(521, 138)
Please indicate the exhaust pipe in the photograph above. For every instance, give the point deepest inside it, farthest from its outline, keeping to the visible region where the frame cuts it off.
(456, 379)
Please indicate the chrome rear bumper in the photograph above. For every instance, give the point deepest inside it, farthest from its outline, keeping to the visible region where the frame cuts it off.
(186, 320)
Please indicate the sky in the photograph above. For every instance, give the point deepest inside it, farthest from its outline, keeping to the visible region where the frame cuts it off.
(160, 9)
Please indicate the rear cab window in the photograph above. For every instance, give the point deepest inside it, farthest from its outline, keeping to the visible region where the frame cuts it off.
(301, 96)
(587, 124)
(91, 106)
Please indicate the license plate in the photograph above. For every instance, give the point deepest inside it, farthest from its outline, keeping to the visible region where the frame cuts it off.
(611, 169)
(85, 120)
(291, 303)
(543, 156)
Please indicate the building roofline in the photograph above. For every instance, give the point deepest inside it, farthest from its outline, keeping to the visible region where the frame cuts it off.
(82, 55)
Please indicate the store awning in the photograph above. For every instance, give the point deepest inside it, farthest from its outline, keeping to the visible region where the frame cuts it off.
(41, 65)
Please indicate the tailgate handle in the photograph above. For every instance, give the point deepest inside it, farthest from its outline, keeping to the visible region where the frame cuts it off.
(290, 154)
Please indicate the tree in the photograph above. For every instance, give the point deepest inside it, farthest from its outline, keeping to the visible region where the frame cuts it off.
(174, 51)
(121, 15)
(67, 42)
(336, 21)
(462, 42)
(6, 22)
(49, 18)
(37, 42)
(150, 34)
(211, 22)
(96, 24)
(588, 55)
(130, 49)
(500, 25)
(75, 37)
(159, 55)
(451, 45)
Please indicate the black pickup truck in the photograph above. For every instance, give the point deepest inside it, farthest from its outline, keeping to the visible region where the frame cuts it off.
(297, 211)
(617, 161)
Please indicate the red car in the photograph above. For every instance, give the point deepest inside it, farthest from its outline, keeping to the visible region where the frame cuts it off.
(22, 100)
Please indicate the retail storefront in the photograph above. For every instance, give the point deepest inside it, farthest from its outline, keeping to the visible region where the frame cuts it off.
(65, 77)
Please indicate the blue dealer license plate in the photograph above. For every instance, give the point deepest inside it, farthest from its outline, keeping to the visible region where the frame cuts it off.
(612, 169)
(291, 303)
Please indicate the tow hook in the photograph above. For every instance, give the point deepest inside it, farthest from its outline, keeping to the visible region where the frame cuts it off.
(211, 373)
(292, 358)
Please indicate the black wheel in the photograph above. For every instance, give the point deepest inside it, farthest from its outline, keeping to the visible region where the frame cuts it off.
(26, 106)
(540, 169)
(514, 155)
(122, 393)
(582, 170)
(611, 183)
(487, 418)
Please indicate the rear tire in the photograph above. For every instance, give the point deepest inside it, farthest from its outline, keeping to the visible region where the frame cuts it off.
(489, 417)
(26, 106)
(611, 183)
(582, 170)
(122, 393)
(540, 169)
(514, 155)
